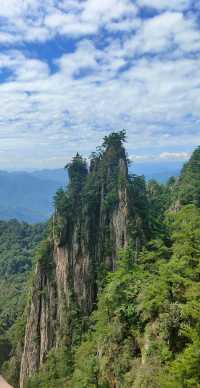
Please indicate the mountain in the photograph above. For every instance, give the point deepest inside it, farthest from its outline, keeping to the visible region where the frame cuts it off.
(29, 196)
(158, 170)
(56, 175)
(114, 297)
(90, 226)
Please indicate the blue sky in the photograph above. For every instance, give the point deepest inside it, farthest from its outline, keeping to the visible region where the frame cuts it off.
(73, 70)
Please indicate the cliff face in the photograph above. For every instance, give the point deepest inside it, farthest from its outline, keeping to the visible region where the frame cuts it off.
(66, 280)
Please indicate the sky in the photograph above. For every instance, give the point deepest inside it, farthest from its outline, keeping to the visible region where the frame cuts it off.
(71, 71)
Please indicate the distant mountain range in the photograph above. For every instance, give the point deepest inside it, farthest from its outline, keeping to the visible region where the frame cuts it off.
(158, 170)
(28, 196)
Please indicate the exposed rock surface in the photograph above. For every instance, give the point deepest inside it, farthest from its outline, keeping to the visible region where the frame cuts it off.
(84, 245)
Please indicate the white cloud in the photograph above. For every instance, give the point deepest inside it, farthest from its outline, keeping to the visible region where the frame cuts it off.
(85, 57)
(174, 155)
(145, 79)
(86, 18)
(31, 20)
(105, 11)
(144, 98)
(163, 156)
(168, 32)
(176, 5)
(6, 38)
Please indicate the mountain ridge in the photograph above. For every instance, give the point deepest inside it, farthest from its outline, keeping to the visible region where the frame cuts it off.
(28, 195)
(114, 300)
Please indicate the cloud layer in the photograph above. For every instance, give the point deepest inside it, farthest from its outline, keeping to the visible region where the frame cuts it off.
(71, 71)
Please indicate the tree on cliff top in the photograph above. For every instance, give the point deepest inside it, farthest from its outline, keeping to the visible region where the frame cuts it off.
(78, 171)
(115, 139)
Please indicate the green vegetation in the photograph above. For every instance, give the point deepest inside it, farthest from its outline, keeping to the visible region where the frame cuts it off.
(189, 187)
(83, 195)
(54, 372)
(144, 331)
(17, 244)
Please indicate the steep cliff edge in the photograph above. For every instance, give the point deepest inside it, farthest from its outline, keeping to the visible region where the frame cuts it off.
(91, 223)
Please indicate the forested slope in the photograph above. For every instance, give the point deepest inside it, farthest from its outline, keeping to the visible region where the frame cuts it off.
(115, 299)
(17, 244)
(145, 331)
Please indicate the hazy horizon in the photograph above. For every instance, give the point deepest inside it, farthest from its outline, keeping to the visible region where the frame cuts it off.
(152, 163)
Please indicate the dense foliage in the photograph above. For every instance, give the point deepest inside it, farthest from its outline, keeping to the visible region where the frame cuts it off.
(17, 244)
(144, 331)
(189, 187)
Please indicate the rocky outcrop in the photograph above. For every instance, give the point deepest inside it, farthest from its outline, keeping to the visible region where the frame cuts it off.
(66, 282)
(41, 323)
